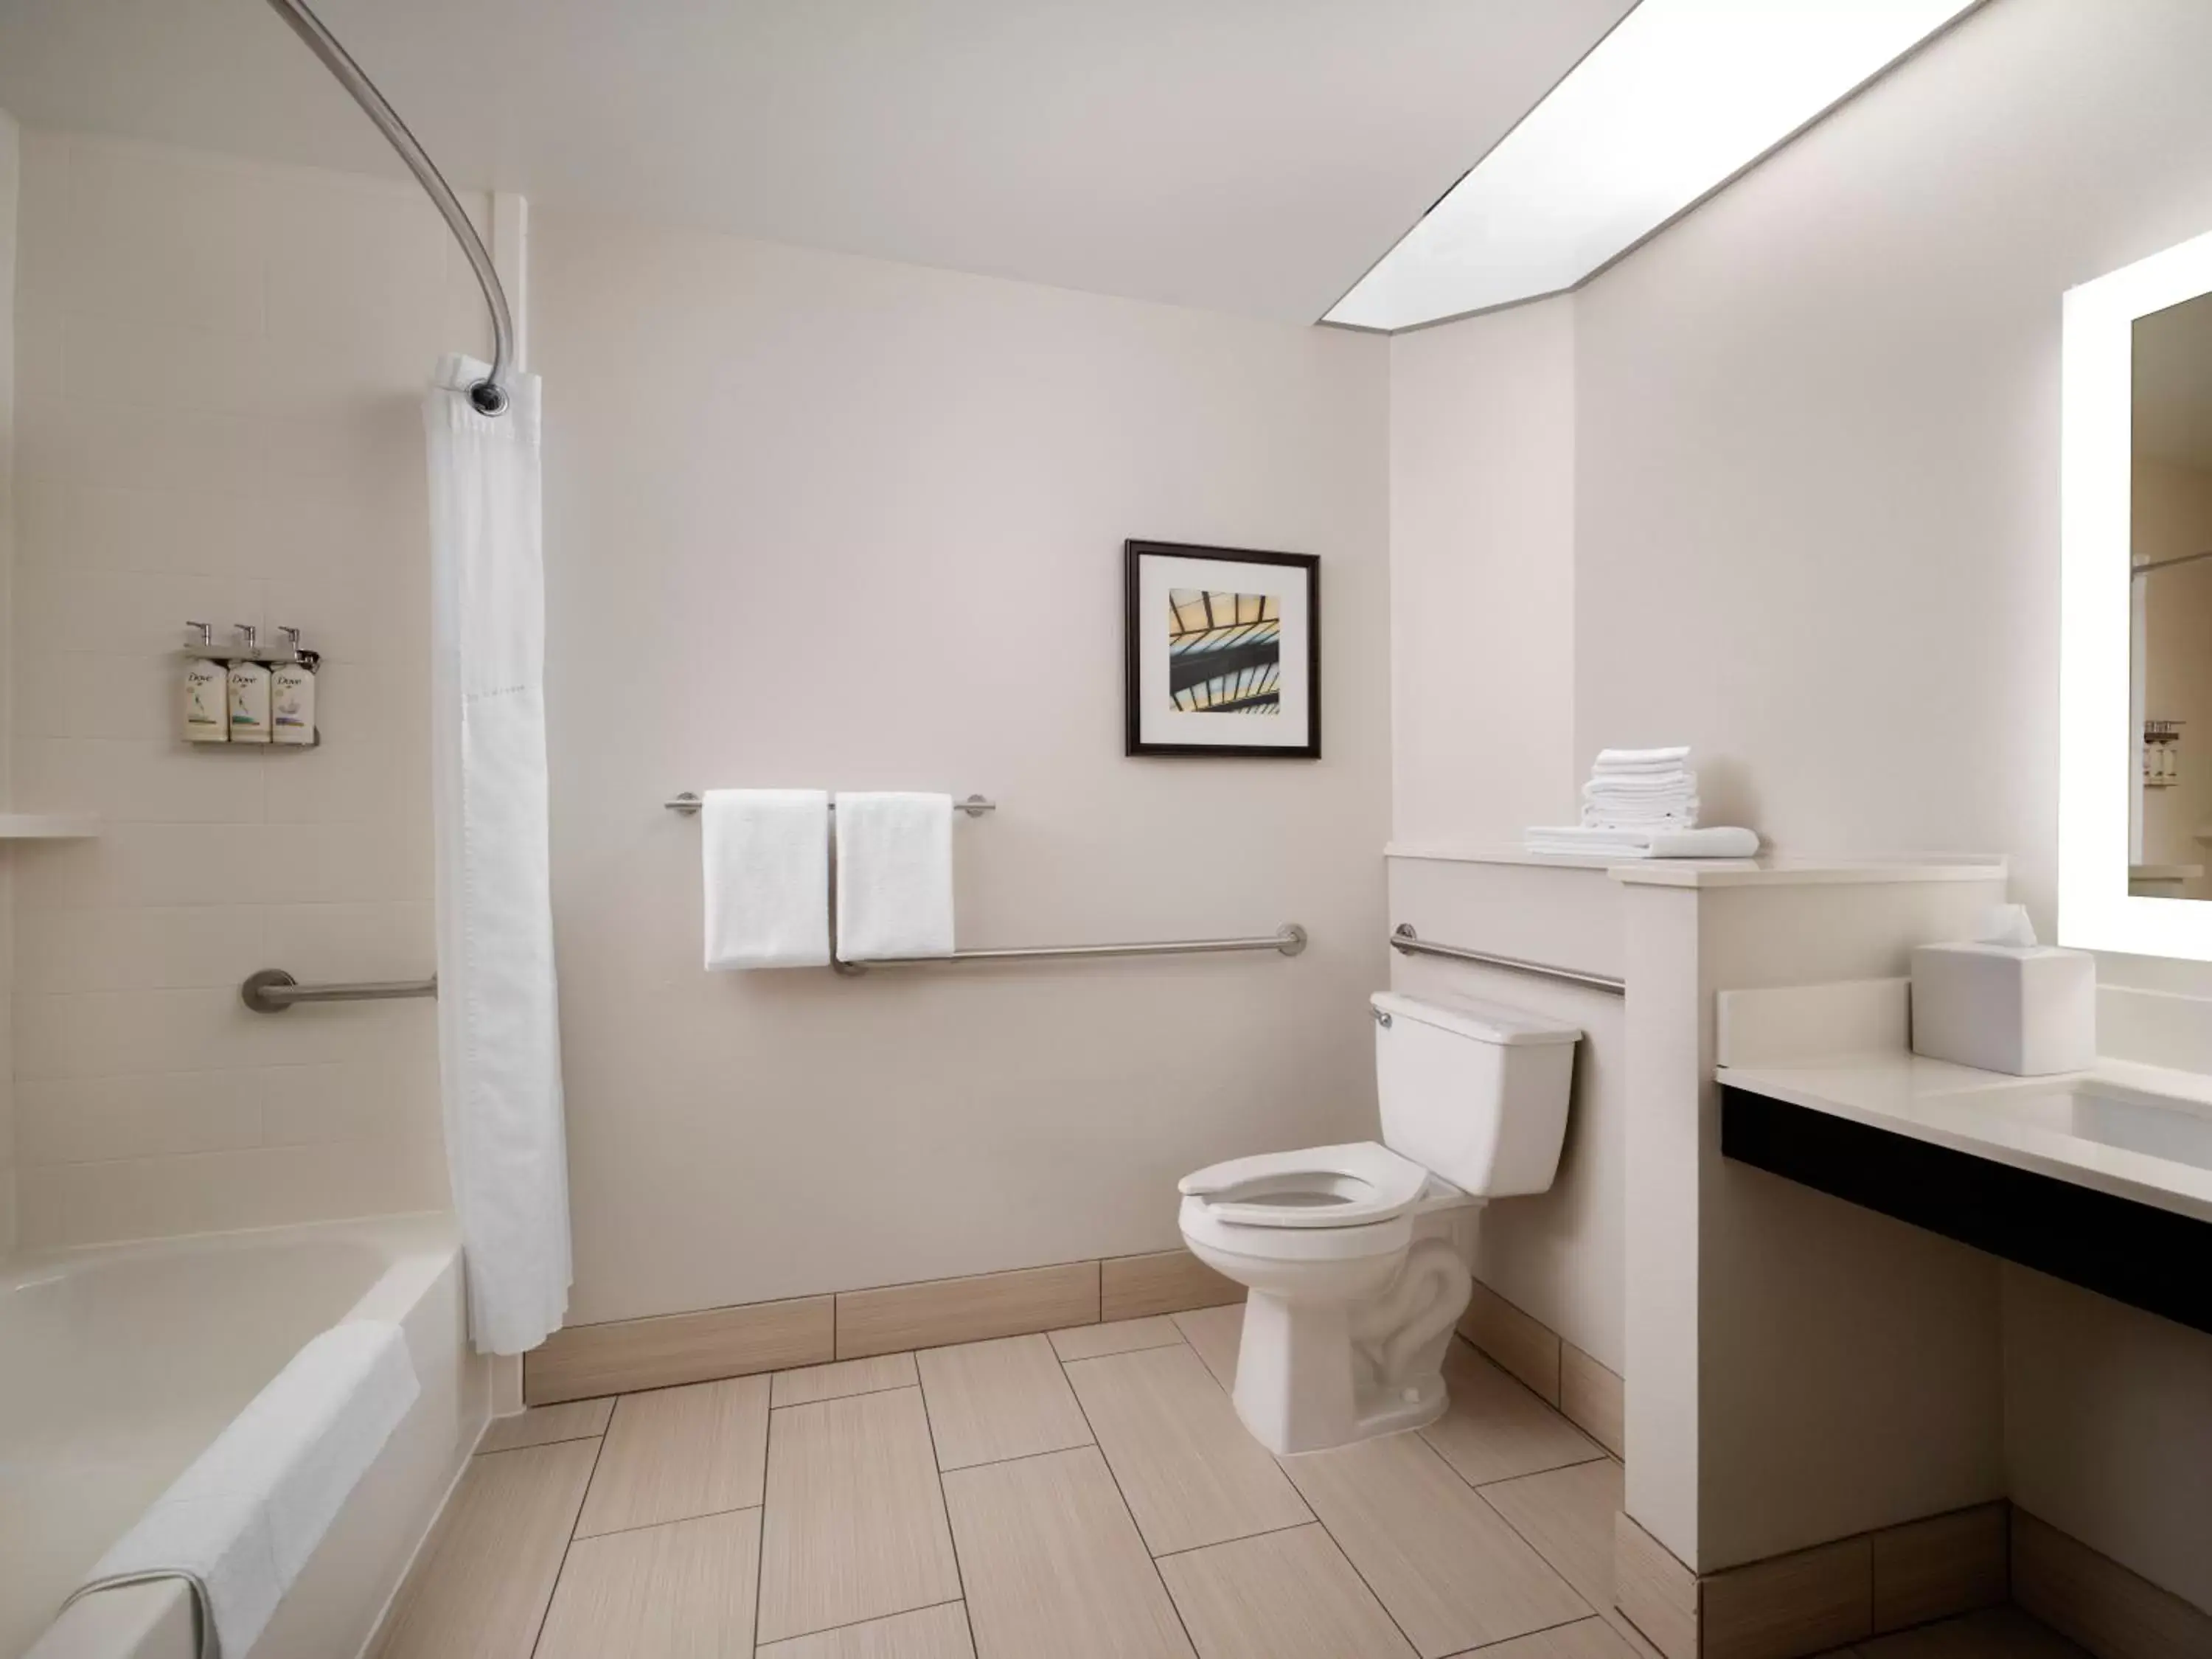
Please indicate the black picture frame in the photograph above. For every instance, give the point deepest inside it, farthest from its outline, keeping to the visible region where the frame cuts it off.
(1133, 555)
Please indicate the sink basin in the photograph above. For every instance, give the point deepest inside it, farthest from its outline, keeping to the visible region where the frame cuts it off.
(2112, 1115)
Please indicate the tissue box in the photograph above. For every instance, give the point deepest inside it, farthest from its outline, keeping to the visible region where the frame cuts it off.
(2026, 1010)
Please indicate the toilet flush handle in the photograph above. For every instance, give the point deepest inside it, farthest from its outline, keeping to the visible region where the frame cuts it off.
(1381, 1017)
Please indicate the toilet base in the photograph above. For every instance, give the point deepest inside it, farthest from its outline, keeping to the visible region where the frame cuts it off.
(1312, 1375)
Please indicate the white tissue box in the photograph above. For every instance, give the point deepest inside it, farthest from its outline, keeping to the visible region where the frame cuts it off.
(2027, 1010)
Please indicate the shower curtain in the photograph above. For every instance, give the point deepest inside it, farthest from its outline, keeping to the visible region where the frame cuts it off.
(499, 1037)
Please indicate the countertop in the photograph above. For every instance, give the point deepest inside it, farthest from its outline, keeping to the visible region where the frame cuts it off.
(2011, 1120)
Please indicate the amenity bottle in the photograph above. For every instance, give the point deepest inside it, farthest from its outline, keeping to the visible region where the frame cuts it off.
(207, 716)
(249, 691)
(292, 695)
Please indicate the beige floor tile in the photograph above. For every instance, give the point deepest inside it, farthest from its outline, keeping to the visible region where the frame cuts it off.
(847, 1376)
(938, 1633)
(1053, 1564)
(855, 1523)
(1496, 1429)
(1567, 1514)
(1452, 1573)
(541, 1426)
(992, 1400)
(481, 1586)
(1287, 1595)
(1999, 1633)
(1122, 1336)
(680, 1591)
(1215, 1333)
(677, 1453)
(1192, 1473)
(1586, 1638)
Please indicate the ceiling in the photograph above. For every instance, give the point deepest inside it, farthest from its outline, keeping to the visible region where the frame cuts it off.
(1250, 156)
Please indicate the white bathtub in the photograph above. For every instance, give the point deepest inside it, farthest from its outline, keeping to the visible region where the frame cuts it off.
(118, 1366)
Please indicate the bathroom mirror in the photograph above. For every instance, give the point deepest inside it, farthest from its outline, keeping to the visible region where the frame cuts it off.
(2136, 678)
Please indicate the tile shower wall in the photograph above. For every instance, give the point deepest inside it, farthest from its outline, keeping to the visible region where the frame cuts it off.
(220, 366)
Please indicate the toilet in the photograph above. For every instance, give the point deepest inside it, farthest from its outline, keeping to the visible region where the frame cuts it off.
(1355, 1257)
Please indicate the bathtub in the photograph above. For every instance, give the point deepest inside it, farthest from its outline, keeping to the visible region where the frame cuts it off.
(119, 1364)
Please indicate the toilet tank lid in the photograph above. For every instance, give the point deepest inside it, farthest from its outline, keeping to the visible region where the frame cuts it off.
(1485, 1022)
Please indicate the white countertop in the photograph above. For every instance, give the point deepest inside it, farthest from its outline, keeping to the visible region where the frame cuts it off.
(2018, 1121)
(1767, 870)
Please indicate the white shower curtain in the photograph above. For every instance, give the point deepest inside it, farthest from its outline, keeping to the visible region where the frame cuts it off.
(499, 1035)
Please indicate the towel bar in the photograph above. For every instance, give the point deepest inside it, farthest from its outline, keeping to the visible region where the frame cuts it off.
(975, 807)
(1289, 939)
(272, 991)
(1406, 940)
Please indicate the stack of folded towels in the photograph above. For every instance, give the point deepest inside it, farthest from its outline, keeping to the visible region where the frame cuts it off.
(1643, 803)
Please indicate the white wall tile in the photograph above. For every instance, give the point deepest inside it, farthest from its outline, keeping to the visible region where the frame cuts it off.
(84, 1119)
(224, 423)
(154, 947)
(166, 238)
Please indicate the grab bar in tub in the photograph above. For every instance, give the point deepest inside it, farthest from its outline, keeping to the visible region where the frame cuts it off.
(272, 991)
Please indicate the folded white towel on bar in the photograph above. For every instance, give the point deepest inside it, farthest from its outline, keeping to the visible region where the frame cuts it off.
(1657, 841)
(239, 1523)
(894, 876)
(764, 863)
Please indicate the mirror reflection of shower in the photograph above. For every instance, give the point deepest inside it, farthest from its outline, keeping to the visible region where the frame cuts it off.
(2170, 703)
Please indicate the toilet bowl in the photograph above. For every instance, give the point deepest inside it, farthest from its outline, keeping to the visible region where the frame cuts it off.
(1355, 1256)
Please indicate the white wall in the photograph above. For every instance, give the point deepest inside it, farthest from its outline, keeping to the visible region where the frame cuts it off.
(11, 179)
(219, 381)
(1482, 660)
(1815, 523)
(816, 520)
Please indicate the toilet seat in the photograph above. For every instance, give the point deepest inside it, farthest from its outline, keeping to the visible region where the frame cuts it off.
(1358, 1184)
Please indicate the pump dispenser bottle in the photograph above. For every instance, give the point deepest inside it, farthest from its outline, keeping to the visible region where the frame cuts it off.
(206, 698)
(292, 695)
(249, 691)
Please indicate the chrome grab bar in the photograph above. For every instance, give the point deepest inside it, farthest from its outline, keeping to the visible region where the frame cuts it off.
(272, 991)
(1289, 939)
(1403, 938)
(688, 803)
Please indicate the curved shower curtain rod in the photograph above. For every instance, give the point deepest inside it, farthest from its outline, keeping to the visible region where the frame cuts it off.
(489, 395)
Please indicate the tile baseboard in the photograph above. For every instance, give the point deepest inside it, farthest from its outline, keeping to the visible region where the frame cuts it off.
(1166, 1282)
(1655, 1591)
(621, 1356)
(1815, 1601)
(897, 1317)
(582, 1362)
(1588, 1394)
(2113, 1612)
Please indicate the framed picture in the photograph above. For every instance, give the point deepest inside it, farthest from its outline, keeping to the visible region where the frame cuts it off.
(1224, 651)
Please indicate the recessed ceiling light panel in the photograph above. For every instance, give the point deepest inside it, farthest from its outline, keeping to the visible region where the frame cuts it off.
(1681, 96)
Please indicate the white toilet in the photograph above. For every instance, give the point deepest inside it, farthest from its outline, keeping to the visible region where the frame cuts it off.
(1356, 1256)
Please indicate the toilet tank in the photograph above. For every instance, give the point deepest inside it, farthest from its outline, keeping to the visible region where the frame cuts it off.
(1474, 1092)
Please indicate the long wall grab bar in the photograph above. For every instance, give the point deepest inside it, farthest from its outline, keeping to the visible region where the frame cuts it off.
(1289, 939)
(1405, 940)
(975, 807)
(272, 991)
